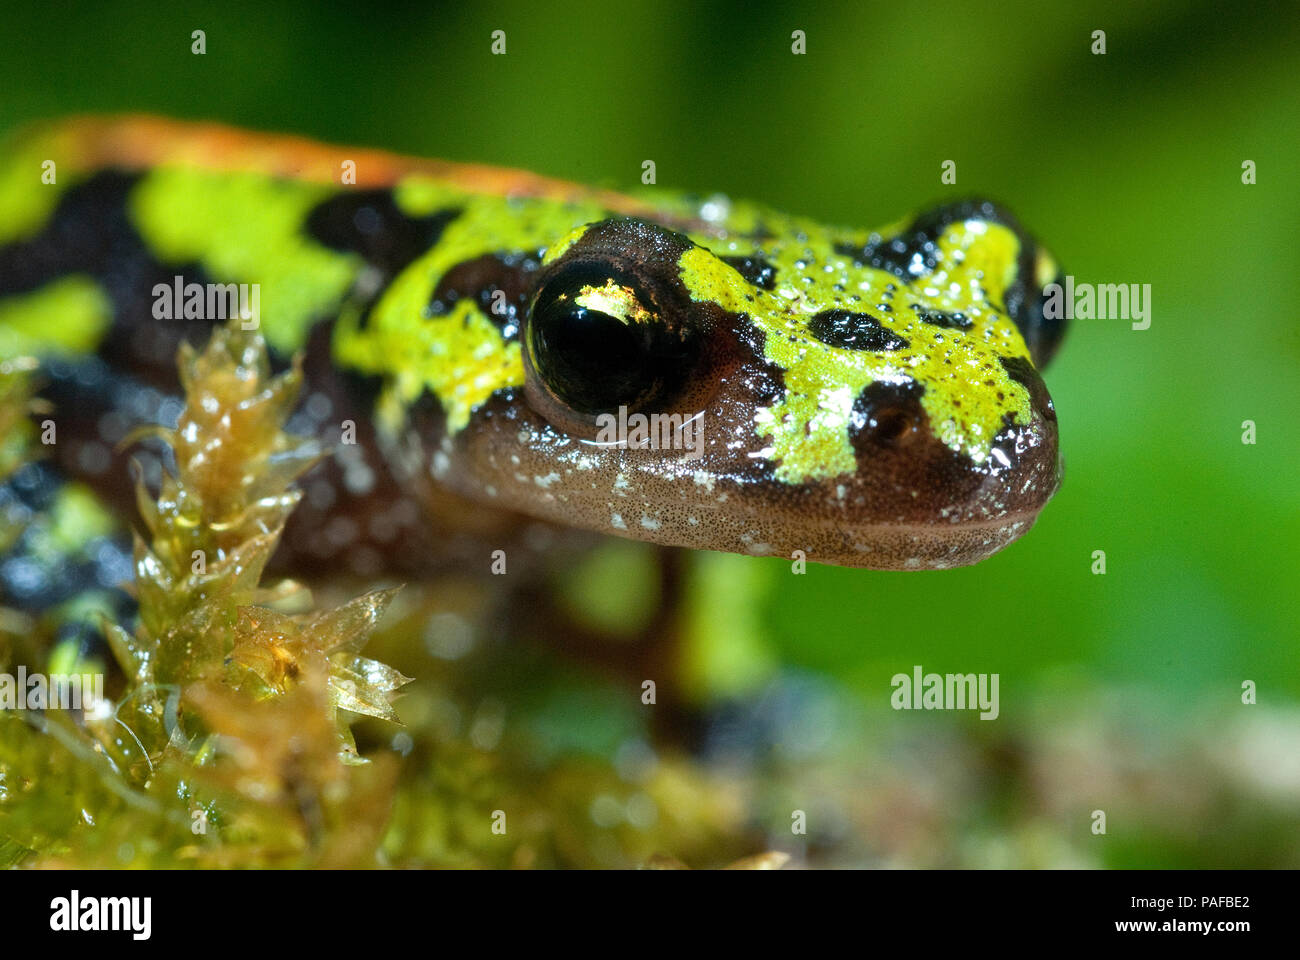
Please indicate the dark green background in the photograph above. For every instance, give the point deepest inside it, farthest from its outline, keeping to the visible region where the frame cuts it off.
(1127, 165)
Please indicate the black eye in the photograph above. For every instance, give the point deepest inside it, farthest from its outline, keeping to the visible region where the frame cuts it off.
(596, 343)
(1043, 329)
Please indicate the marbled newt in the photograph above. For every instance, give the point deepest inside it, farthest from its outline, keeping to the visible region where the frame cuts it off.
(870, 397)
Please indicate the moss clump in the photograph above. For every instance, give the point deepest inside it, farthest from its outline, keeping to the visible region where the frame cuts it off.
(229, 745)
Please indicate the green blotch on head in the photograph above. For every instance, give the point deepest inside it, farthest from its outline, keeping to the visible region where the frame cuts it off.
(247, 227)
(967, 391)
(557, 249)
(460, 356)
(66, 316)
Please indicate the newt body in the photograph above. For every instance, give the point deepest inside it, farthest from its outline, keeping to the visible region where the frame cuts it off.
(869, 397)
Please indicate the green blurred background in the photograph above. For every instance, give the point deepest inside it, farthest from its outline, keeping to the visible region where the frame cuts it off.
(1128, 166)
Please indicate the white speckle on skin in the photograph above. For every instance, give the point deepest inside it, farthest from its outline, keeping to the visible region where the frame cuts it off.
(694, 522)
(321, 494)
(616, 521)
(490, 490)
(369, 280)
(440, 464)
(93, 457)
(649, 522)
(318, 406)
(341, 531)
(359, 478)
(703, 479)
(546, 481)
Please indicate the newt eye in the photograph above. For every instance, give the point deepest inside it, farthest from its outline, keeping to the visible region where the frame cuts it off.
(595, 342)
(1042, 329)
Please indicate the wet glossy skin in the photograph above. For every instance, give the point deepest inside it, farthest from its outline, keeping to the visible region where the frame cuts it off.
(866, 397)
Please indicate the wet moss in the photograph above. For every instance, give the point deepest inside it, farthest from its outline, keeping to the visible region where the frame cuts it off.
(231, 743)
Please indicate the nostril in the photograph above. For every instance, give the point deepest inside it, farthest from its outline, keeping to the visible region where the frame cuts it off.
(890, 424)
(888, 413)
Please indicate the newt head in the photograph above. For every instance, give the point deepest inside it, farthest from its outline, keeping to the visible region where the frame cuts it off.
(765, 385)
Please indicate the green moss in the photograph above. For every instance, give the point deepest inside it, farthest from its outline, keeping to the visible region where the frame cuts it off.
(235, 715)
(230, 743)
